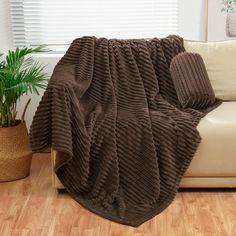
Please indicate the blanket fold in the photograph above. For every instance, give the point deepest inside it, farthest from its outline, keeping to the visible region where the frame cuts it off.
(111, 112)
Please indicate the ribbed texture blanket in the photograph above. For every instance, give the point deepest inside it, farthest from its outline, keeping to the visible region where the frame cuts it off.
(111, 112)
(191, 81)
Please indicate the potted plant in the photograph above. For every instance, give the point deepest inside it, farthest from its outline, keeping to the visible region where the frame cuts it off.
(229, 6)
(19, 75)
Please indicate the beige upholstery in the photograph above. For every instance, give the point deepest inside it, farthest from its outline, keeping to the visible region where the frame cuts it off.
(214, 164)
(216, 155)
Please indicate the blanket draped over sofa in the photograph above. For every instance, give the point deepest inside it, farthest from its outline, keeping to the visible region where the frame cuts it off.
(111, 112)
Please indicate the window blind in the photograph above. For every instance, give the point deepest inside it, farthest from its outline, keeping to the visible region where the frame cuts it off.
(58, 22)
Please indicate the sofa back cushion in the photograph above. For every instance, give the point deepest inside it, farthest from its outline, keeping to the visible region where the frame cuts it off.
(220, 61)
(191, 81)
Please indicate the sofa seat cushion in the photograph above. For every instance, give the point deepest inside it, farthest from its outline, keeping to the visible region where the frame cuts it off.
(216, 154)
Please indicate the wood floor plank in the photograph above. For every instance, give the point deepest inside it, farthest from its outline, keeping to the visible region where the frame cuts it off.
(31, 207)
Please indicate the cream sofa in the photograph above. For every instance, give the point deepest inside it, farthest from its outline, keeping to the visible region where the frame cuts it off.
(214, 163)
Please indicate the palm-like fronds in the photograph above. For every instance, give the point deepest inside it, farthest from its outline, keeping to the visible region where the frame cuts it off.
(19, 75)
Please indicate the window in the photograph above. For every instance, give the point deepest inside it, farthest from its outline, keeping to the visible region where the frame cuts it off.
(58, 22)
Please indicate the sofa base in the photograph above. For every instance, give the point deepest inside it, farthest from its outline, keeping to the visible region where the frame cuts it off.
(208, 182)
(186, 182)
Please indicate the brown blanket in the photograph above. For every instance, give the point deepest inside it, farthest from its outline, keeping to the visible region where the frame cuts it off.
(111, 112)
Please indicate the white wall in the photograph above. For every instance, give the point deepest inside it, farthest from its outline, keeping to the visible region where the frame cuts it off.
(193, 19)
(191, 26)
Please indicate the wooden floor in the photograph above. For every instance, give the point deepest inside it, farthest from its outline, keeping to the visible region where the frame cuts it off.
(32, 207)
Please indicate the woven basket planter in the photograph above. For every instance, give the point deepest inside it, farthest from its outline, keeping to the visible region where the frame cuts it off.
(15, 151)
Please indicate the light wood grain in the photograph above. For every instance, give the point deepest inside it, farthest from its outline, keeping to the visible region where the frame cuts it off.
(31, 207)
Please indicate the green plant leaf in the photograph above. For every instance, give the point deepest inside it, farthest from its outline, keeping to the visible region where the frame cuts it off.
(19, 75)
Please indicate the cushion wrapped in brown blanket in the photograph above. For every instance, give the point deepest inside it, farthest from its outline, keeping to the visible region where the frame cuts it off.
(111, 112)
